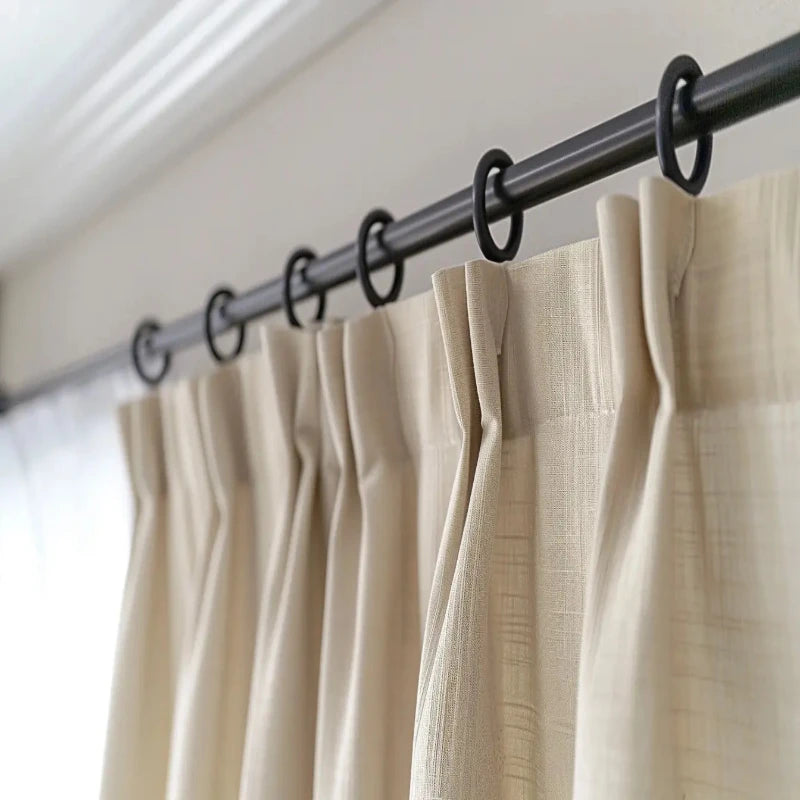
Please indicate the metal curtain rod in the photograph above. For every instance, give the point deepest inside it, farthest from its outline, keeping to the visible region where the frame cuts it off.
(747, 87)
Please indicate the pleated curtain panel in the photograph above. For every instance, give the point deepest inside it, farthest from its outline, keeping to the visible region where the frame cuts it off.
(533, 534)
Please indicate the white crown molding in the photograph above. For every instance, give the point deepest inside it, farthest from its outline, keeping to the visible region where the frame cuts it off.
(200, 62)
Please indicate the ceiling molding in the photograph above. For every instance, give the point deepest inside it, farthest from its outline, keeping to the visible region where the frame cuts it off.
(185, 71)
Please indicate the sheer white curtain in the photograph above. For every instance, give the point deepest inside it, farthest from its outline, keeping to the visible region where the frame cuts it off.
(65, 522)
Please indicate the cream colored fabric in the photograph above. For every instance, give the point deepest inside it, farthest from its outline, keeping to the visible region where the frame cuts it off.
(528, 352)
(690, 674)
(529, 535)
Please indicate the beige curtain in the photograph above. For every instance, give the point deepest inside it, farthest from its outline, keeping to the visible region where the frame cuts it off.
(690, 666)
(531, 535)
(290, 508)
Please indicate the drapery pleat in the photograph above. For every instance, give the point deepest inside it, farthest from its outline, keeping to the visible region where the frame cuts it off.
(530, 535)
(282, 419)
(528, 356)
(393, 447)
(691, 650)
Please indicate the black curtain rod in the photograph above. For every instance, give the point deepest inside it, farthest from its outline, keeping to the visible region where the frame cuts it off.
(747, 87)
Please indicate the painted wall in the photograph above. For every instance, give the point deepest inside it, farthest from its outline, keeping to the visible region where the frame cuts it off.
(396, 114)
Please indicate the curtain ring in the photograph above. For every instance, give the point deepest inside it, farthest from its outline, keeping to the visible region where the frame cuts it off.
(382, 217)
(141, 340)
(489, 160)
(226, 295)
(687, 69)
(307, 255)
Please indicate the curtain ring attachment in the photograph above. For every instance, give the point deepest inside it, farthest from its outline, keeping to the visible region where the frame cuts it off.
(141, 341)
(491, 251)
(687, 69)
(307, 255)
(225, 295)
(375, 217)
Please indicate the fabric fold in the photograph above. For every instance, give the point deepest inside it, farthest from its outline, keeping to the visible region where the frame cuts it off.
(282, 393)
(206, 748)
(690, 651)
(496, 702)
(385, 392)
(140, 713)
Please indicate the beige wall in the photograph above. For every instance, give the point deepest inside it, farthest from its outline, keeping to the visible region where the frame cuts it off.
(396, 114)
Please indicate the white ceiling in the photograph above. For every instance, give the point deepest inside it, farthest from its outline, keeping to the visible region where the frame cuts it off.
(96, 94)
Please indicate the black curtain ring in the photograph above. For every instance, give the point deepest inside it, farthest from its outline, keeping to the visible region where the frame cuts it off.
(375, 217)
(225, 295)
(141, 340)
(307, 255)
(687, 69)
(489, 160)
